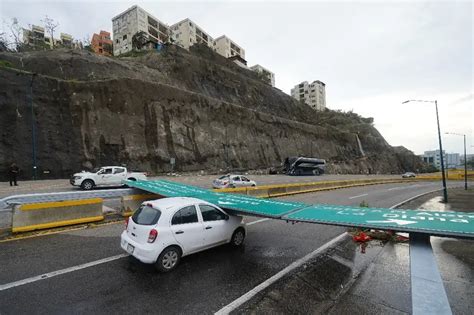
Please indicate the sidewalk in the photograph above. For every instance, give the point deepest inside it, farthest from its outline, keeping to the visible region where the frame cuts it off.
(25, 187)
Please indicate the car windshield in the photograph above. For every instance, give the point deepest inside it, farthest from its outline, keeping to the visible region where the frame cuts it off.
(224, 177)
(146, 215)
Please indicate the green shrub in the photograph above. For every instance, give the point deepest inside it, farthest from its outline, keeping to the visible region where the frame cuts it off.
(6, 64)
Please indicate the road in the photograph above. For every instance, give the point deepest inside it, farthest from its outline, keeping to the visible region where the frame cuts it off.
(205, 181)
(203, 283)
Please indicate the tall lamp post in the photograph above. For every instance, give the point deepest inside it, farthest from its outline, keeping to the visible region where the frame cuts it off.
(33, 127)
(465, 156)
(445, 190)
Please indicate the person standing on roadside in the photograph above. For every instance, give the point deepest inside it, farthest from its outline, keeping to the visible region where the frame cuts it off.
(13, 173)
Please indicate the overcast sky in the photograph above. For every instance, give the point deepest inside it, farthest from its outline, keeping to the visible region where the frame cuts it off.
(371, 55)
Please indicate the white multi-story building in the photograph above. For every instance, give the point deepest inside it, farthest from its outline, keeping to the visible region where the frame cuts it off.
(186, 33)
(36, 38)
(451, 160)
(226, 47)
(313, 94)
(132, 21)
(267, 74)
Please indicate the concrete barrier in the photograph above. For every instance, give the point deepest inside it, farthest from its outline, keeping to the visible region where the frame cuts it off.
(44, 215)
(269, 191)
(131, 202)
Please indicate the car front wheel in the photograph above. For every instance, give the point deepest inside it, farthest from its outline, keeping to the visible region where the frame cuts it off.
(87, 184)
(168, 259)
(238, 238)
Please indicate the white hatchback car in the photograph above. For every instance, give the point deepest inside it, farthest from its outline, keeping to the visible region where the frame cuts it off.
(162, 231)
(233, 181)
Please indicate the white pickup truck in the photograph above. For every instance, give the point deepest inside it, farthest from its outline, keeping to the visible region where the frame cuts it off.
(104, 176)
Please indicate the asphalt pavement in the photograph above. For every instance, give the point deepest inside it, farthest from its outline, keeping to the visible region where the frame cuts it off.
(204, 181)
(85, 271)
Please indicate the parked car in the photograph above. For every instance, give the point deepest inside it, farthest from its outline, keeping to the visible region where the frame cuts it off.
(408, 175)
(233, 181)
(105, 176)
(162, 231)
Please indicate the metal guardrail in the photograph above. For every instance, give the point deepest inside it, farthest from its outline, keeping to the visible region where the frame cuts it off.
(6, 202)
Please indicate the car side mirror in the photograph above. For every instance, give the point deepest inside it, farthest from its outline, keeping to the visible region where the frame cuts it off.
(227, 217)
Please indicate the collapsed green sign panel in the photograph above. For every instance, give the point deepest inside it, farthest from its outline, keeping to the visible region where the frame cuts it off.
(432, 222)
(242, 203)
(448, 223)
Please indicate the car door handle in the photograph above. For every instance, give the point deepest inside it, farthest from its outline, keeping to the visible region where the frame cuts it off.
(179, 232)
(208, 227)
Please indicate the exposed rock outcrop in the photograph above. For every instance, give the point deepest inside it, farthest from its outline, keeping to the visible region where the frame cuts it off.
(194, 106)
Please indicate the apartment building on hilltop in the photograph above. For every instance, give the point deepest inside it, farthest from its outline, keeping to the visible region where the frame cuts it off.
(187, 33)
(184, 33)
(36, 37)
(102, 43)
(313, 94)
(266, 74)
(226, 47)
(135, 20)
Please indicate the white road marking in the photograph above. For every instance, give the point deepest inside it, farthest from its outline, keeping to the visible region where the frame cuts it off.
(353, 197)
(59, 272)
(265, 284)
(403, 187)
(79, 267)
(257, 221)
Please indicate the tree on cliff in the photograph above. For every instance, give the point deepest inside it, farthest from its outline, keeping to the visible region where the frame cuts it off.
(139, 40)
(50, 26)
(12, 41)
(3, 42)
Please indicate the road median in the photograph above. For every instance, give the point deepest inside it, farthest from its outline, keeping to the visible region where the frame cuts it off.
(270, 191)
(45, 215)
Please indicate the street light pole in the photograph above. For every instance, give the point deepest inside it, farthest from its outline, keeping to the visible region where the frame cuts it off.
(465, 164)
(33, 127)
(445, 190)
(465, 156)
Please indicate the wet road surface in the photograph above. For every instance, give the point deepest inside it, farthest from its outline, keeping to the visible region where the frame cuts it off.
(202, 283)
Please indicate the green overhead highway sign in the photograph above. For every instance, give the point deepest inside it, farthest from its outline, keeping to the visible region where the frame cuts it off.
(432, 222)
(241, 203)
(449, 223)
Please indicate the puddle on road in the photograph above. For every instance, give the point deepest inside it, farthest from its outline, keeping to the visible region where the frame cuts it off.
(435, 204)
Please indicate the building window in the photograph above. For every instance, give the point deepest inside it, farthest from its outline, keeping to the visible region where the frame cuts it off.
(152, 22)
(124, 37)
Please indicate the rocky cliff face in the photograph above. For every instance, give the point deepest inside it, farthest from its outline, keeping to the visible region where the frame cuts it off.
(196, 106)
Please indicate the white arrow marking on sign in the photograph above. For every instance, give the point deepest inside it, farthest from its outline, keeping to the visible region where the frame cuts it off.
(225, 203)
(399, 222)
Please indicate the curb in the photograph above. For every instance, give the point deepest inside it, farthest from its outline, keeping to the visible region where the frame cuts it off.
(418, 196)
